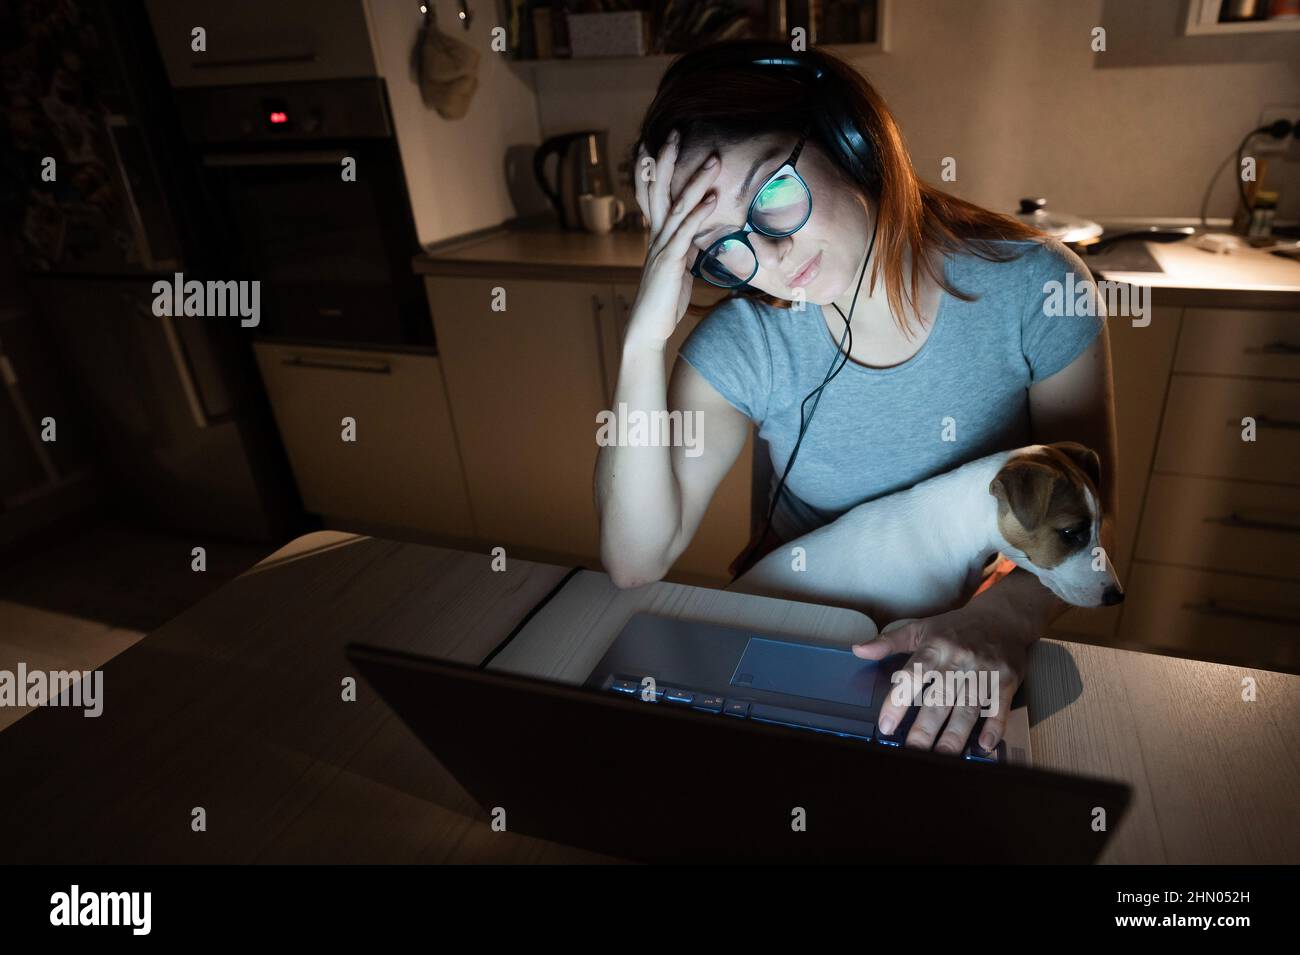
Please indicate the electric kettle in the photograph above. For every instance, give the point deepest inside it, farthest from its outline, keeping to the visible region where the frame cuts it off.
(581, 167)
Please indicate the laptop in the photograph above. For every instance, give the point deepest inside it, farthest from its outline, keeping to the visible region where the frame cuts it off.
(646, 777)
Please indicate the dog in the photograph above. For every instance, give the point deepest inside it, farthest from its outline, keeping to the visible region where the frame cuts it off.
(921, 552)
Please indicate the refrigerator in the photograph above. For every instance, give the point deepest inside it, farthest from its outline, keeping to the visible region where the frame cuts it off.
(100, 198)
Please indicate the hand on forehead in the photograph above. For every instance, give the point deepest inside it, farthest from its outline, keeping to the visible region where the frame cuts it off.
(737, 159)
(689, 162)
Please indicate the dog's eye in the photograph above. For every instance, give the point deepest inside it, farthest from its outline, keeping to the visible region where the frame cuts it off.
(1073, 536)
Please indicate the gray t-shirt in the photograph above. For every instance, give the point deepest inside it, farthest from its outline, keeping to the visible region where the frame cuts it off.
(962, 396)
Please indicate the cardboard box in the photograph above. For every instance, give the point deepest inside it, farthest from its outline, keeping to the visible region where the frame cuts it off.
(622, 33)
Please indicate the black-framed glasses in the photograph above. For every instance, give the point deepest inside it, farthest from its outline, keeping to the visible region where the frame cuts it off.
(780, 207)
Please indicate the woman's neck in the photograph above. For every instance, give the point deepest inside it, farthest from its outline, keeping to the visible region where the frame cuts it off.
(868, 299)
(878, 341)
(873, 309)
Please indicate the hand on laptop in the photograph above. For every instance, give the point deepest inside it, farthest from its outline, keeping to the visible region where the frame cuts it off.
(970, 639)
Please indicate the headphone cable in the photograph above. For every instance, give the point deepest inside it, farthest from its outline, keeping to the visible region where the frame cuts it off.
(842, 356)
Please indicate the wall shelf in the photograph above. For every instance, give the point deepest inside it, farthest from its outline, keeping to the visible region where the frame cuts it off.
(843, 50)
(781, 16)
(1203, 20)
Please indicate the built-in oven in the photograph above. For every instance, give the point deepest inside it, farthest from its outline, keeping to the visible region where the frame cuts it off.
(305, 186)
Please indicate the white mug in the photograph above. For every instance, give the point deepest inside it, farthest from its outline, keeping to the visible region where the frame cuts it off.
(600, 213)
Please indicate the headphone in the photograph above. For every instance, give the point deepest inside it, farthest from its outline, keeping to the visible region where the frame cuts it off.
(839, 131)
(837, 128)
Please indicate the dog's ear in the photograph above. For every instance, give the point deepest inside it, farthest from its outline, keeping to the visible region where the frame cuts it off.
(1025, 486)
(1085, 458)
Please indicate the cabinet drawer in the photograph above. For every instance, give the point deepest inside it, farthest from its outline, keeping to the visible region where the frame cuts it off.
(1221, 341)
(1228, 618)
(1222, 525)
(403, 470)
(1201, 434)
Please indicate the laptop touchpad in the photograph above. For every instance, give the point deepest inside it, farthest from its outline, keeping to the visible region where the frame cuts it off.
(815, 673)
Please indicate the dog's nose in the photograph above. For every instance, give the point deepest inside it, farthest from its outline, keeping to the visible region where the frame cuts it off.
(1111, 596)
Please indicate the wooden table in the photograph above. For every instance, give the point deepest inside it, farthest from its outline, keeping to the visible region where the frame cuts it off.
(236, 706)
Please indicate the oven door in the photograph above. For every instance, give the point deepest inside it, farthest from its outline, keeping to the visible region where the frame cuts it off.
(333, 255)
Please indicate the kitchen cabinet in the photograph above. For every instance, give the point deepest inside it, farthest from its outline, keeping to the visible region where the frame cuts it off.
(1217, 545)
(248, 41)
(525, 385)
(1210, 531)
(403, 470)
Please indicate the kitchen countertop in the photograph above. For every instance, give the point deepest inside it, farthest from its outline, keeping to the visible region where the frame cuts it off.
(539, 253)
(1192, 277)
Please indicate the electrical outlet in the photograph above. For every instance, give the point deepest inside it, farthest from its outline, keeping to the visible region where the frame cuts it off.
(1263, 145)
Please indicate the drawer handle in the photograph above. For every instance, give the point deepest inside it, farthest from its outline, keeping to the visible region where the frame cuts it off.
(597, 310)
(305, 57)
(1244, 611)
(1275, 348)
(184, 371)
(312, 157)
(1236, 519)
(378, 368)
(1266, 421)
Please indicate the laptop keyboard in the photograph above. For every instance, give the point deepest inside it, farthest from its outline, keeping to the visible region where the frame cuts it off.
(863, 731)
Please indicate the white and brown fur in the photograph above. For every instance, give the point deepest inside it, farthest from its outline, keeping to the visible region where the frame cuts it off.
(923, 551)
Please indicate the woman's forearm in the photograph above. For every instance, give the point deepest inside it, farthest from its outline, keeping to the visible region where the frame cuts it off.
(637, 497)
(1021, 605)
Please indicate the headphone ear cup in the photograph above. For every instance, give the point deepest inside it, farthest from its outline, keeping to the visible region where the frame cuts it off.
(840, 130)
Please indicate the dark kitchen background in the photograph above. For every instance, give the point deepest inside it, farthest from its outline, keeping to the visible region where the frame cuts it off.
(475, 427)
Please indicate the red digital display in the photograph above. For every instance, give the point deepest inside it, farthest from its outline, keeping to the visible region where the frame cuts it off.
(277, 118)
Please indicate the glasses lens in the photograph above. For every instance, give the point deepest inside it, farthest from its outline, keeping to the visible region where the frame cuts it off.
(729, 264)
(783, 205)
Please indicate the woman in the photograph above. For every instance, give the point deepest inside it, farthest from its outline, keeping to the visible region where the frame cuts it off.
(953, 353)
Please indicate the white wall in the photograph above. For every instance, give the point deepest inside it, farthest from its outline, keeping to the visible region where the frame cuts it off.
(1012, 91)
(454, 168)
